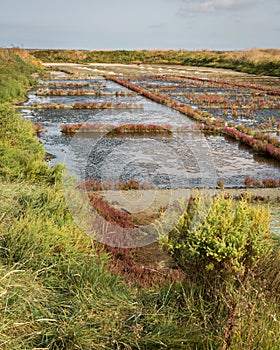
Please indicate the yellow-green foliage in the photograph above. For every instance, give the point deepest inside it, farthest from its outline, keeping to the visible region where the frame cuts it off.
(55, 292)
(220, 235)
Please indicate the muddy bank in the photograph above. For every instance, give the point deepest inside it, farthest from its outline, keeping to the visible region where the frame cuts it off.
(146, 205)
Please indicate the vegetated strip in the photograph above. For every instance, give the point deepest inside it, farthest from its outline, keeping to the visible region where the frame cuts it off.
(111, 214)
(266, 183)
(73, 84)
(82, 92)
(267, 145)
(84, 105)
(132, 184)
(124, 128)
(39, 128)
(222, 82)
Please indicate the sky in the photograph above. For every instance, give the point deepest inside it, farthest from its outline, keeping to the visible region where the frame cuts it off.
(140, 24)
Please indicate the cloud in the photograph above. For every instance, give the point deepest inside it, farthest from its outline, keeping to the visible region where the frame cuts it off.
(208, 6)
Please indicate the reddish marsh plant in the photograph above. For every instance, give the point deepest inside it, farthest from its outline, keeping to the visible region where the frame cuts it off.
(132, 184)
(266, 183)
(124, 128)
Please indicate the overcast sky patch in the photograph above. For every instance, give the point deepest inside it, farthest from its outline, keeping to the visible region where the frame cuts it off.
(145, 24)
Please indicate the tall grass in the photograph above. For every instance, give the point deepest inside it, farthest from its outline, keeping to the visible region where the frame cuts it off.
(21, 154)
(16, 68)
(56, 292)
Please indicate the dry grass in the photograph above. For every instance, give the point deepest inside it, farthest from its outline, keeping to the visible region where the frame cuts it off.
(255, 55)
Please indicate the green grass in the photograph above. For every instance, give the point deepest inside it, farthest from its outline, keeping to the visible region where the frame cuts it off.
(57, 293)
(16, 69)
(21, 154)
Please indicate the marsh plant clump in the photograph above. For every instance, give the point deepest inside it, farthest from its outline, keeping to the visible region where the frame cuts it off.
(113, 129)
(86, 105)
(81, 92)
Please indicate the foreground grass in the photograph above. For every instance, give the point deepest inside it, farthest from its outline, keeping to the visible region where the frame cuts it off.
(256, 61)
(56, 291)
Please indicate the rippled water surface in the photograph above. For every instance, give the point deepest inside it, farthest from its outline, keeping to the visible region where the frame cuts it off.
(188, 159)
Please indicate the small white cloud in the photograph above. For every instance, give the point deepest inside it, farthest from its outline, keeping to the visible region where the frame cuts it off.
(204, 6)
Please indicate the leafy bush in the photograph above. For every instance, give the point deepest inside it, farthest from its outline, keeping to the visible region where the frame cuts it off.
(222, 247)
(220, 239)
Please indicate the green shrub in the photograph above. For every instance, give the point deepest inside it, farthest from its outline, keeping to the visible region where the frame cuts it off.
(226, 249)
(220, 238)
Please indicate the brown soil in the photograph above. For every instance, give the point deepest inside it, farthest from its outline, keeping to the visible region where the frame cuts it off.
(145, 206)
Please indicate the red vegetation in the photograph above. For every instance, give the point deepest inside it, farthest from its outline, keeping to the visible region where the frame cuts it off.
(258, 145)
(87, 105)
(124, 128)
(82, 92)
(73, 84)
(266, 183)
(92, 185)
(142, 128)
(108, 212)
(262, 144)
(39, 128)
(124, 263)
(85, 127)
(181, 107)
(246, 86)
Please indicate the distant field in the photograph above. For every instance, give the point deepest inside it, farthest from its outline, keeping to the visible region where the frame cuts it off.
(255, 61)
